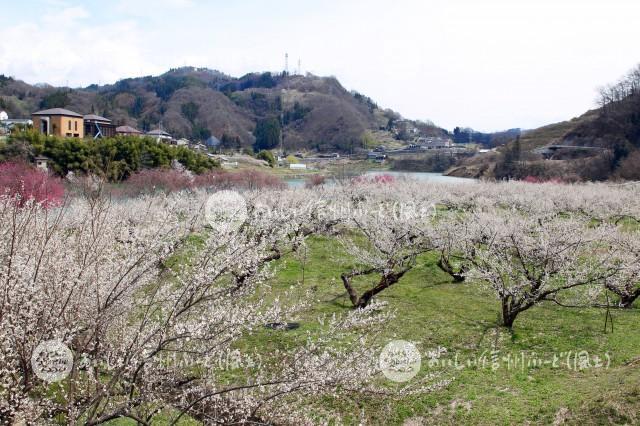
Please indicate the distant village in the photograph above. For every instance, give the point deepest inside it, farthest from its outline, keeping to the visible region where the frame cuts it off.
(69, 124)
(62, 122)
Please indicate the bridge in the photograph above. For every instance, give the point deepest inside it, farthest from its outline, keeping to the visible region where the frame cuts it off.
(549, 150)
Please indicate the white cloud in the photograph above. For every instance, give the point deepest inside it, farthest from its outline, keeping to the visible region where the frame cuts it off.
(65, 15)
(151, 8)
(67, 48)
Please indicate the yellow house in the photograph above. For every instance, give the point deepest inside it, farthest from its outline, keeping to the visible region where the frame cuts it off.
(59, 122)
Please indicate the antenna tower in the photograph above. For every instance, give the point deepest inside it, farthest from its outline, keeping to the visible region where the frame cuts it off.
(286, 63)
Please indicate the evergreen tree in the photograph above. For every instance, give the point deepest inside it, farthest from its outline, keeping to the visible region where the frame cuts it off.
(267, 134)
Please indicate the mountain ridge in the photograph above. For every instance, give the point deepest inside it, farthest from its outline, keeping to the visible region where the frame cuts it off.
(316, 113)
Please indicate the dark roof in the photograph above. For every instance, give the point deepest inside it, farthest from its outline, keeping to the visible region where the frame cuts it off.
(93, 117)
(58, 111)
(127, 129)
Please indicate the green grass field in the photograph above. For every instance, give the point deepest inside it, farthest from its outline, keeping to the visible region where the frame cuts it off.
(434, 311)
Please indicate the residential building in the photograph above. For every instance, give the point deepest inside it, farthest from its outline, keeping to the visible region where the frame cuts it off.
(160, 135)
(7, 124)
(96, 127)
(59, 122)
(128, 131)
(434, 143)
(12, 122)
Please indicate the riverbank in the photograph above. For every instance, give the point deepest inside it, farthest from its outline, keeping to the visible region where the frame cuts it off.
(467, 172)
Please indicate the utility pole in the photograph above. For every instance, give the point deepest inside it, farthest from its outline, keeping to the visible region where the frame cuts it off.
(286, 63)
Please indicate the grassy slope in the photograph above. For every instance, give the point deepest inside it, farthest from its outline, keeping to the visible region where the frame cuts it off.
(433, 311)
(552, 133)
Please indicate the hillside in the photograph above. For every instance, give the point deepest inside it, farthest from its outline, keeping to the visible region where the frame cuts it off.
(602, 144)
(316, 112)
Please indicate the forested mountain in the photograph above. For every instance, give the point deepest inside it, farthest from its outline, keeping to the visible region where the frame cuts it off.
(314, 112)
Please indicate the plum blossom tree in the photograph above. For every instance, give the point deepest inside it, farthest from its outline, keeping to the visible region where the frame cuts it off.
(529, 259)
(154, 299)
(387, 231)
(626, 284)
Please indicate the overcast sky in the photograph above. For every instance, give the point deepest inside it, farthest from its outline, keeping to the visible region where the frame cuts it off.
(490, 65)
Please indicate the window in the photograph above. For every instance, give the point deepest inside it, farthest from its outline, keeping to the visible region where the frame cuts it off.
(76, 125)
(69, 125)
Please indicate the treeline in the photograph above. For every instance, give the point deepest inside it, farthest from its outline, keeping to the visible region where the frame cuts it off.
(490, 140)
(254, 80)
(629, 85)
(113, 158)
(616, 128)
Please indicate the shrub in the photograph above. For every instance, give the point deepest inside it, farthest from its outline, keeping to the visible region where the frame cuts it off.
(27, 183)
(628, 169)
(315, 180)
(267, 156)
(375, 179)
(157, 180)
(113, 158)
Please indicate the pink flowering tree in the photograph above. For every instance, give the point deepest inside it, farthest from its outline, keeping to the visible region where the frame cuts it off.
(25, 183)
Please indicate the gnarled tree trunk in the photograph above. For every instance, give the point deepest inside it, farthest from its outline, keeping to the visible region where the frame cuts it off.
(386, 280)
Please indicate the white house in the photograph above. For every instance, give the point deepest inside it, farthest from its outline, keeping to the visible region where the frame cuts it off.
(160, 135)
(298, 166)
(434, 143)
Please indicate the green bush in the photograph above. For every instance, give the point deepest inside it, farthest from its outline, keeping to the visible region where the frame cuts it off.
(267, 156)
(114, 158)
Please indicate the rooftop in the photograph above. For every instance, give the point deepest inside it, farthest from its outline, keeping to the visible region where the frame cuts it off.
(127, 129)
(58, 111)
(158, 132)
(93, 117)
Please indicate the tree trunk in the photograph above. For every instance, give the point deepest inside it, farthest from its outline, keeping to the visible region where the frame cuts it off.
(626, 301)
(353, 296)
(386, 281)
(443, 263)
(509, 314)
